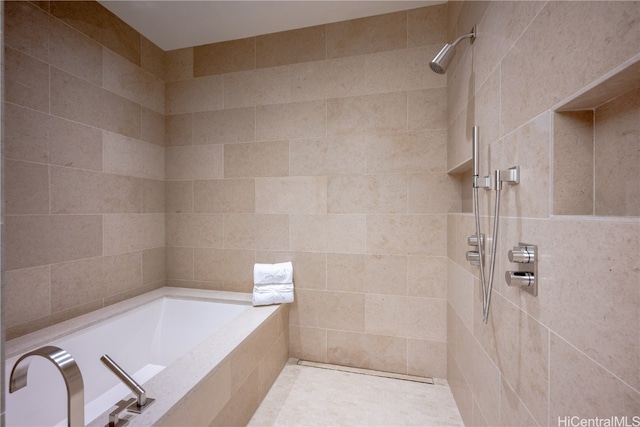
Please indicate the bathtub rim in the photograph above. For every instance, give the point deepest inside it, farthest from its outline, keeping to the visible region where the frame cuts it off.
(178, 379)
(33, 340)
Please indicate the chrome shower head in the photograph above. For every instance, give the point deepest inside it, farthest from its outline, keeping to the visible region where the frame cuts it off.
(441, 61)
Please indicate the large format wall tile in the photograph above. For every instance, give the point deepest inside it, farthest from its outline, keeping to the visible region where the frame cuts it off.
(288, 121)
(290, 47)
(570, 351)
(223, 126)
(367, 35)
(233, 269)
(406, 234)
(26, 80)
(194, 162)
(376, 274)
(291, 146)
(384, 113)
(46, 239)
(77, 282)
(296, 195)
(131, 157)
(80, 101)
(221, 195)
(327, 156)
(366, 350)
(131, 82)
(528, 89)
(92, 19)
(409, 317)
(256, 231)
(572, 370)
(26, 188)
(328, 233)
(200, 231)
(409, 152)
(367, 194)
(260, 159)
(257, 87)
(427, 25)
(25, 29)
(224, 57)
(80, 109)
(75, 191)
(133, 232)
(617, 160)
(195, 95)
(74, 53)
(26, 134)
(29, 291)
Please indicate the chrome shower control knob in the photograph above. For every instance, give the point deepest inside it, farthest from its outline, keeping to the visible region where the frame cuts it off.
(473, 257)
(521, 254)
(473, 239)
(519, 278)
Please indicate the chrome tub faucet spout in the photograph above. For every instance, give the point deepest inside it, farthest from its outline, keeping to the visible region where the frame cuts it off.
(70, 372)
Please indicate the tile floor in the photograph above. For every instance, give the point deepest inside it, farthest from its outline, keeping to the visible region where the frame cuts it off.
(309, 396)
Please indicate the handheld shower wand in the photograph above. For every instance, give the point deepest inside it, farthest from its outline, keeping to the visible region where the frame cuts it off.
(475, 153)
(512, 176)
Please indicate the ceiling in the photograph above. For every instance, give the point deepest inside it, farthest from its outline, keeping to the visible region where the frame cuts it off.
(174, 24)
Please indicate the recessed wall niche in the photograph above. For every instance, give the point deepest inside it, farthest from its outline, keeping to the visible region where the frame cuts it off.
(596, 151)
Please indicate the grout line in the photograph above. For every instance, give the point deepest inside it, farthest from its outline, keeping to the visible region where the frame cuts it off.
(593, 162)
(371, 372)
(548, 376)
(590, 359)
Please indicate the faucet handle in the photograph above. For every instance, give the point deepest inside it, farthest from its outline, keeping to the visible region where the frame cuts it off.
(522, 254)
(114, 416)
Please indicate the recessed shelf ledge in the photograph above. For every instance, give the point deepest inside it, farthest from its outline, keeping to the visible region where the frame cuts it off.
(595, 135)
(622, 79)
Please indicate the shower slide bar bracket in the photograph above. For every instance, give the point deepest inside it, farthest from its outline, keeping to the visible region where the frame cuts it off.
(482, 182)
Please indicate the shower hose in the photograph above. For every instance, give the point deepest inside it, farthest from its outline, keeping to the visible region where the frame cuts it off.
(487, 287)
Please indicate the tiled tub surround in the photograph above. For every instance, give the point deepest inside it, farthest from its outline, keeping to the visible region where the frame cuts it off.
(220, 381)
(83, 148)
(575, 349)
(325, 146)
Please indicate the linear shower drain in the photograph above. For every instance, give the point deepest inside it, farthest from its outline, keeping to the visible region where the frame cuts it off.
(425, 380)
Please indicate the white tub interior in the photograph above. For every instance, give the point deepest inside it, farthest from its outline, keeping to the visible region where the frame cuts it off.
(143, 342)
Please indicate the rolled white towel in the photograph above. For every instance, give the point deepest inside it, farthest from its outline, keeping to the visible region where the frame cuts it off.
(272, 294)
(266, 274)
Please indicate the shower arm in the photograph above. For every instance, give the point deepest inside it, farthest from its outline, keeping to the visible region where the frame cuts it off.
(471, 35)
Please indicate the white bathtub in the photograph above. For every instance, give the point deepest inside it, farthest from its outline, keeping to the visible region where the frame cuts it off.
(169, 340)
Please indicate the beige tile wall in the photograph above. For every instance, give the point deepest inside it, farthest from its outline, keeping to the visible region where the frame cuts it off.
(84, 162)
(616, 156)
(325, 146)
(317, 145)
(575, 349)
(596, 159)
(328, 146)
